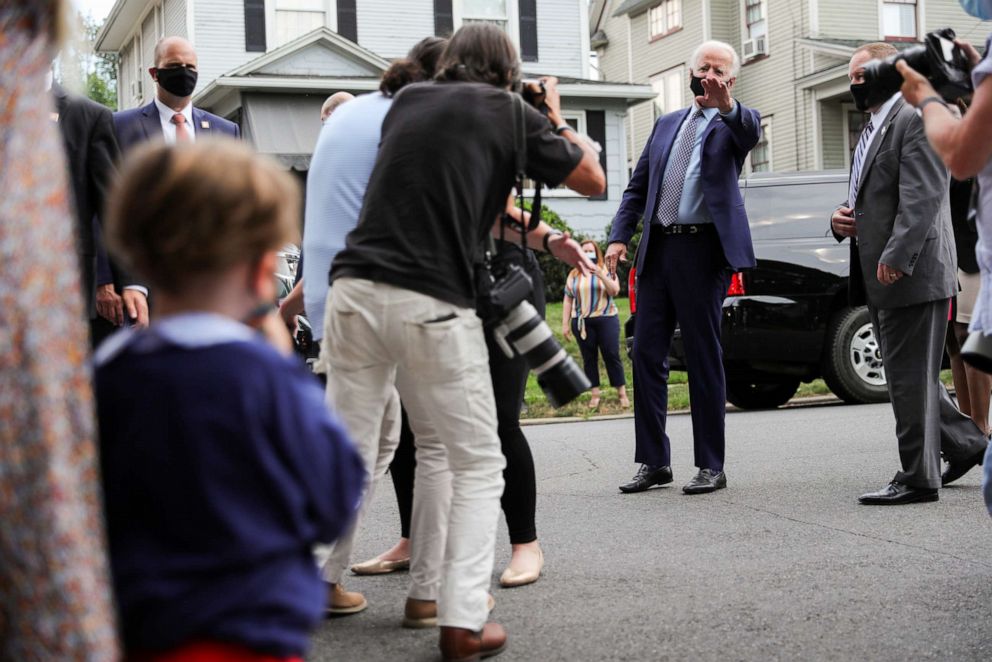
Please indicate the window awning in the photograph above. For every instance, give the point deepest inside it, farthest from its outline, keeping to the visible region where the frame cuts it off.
(284, 126)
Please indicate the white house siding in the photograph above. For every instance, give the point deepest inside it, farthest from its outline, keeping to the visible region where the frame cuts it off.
(944, 13)
(149, 37)
(559, 46)
(175, 18)
(849, 19)
(390, 27)
(725, 21)
(220, 38)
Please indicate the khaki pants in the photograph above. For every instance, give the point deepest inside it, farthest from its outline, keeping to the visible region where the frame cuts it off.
(378, 335)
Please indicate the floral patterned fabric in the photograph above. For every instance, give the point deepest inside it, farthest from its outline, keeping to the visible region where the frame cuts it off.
(54, 588)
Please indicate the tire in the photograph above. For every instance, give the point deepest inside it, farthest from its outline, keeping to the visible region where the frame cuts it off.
(852, 365)
(761, 395)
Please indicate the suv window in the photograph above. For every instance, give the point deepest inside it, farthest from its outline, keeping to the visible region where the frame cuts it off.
(791, 211)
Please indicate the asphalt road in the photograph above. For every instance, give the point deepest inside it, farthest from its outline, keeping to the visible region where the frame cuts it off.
(782, 565)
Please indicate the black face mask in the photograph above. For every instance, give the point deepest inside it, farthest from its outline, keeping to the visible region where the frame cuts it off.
(179, 81)
(696, 85)
(860, 92)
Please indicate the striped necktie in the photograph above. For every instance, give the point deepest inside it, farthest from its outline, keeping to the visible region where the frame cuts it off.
(674, 180)
(859, 159)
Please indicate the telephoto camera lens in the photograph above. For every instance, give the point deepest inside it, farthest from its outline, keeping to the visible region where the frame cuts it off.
(523, 330)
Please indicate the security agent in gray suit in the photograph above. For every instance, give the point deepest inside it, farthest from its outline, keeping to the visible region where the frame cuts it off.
(903, 265)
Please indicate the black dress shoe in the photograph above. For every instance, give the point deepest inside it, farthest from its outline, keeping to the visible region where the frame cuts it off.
(705, 481)
(955, 470)
(896, 494)
(647, 476)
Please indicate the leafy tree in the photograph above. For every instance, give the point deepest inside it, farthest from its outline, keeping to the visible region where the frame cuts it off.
(101, 77)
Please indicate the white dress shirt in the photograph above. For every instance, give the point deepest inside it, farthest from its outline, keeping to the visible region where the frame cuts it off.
(166, 114)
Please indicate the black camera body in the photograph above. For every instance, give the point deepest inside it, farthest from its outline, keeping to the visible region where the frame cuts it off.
(939, 59)
(534, 92)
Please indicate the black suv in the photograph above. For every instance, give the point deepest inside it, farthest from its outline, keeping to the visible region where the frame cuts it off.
(788, 320)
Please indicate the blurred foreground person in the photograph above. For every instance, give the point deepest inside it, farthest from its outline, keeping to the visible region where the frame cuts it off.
(965, 146)
(225, 467)
(402, 304)
(54, 590)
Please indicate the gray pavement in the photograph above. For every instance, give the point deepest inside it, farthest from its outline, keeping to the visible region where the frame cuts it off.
(783, 565)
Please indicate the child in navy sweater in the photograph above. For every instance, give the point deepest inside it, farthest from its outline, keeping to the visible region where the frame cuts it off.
(221, 464)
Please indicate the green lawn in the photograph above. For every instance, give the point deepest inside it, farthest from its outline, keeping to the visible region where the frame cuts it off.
(678, 389)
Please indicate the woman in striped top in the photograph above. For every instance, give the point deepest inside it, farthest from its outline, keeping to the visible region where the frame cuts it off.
(589, 312)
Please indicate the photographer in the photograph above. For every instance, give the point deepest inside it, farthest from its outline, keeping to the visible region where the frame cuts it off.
(402, 305)
(965, 146)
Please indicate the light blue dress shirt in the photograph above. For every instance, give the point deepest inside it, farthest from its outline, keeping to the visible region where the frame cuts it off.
(339, 174)
(692, 206)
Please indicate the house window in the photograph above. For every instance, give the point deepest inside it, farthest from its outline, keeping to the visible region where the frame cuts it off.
(664, 18)
(761, 155)
(485, 11)
(668, 85)
(755, 18)
(298, 17)
(577, 120)
(899, 19)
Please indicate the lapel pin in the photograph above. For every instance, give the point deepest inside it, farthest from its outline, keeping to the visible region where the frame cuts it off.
(204, 124)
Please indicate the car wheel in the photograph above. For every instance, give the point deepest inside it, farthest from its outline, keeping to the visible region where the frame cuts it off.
(761, 395)
(852, 367)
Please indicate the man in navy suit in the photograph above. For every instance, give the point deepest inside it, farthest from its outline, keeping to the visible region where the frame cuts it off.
(170, 117)
(695, 236)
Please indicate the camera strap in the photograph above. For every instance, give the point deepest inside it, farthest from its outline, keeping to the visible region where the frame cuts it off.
(520, 145)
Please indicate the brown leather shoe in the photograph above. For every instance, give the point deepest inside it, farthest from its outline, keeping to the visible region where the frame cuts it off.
(462, 645)
(423, 613)
(342, 603)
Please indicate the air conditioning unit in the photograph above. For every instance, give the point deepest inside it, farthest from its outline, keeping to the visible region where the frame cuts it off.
(755, 47)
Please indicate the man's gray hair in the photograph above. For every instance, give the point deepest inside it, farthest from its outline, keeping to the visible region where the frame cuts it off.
(735, 59)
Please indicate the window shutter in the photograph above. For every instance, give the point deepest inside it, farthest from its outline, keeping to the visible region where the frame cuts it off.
(255, 26)
(596, 127)
(348, 20)
(528, 30)
(444, 18)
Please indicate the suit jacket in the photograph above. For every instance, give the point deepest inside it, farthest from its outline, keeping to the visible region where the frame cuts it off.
(903, 217)
(139, 125)
(725, 145)
(91, 153)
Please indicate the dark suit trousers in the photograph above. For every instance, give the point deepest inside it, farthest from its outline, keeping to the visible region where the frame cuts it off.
(684, 281)
(927, 421)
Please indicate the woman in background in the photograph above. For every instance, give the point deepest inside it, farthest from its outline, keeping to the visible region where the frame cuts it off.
(54, 588)
(589, 312)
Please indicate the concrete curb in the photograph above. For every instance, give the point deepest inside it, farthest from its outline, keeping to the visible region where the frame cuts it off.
(795, 402)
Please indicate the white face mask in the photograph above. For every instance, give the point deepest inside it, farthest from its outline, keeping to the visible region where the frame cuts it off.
(591, 256)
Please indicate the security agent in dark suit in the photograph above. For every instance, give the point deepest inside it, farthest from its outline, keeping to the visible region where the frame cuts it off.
(170, 117)
(903, 265)
(92, 153)
(695, 236)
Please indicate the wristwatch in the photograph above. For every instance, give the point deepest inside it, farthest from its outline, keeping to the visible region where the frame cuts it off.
(562, 128)
(547, 239)
(932, 99)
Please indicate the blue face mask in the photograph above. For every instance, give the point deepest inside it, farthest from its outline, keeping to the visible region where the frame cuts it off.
(979, 8)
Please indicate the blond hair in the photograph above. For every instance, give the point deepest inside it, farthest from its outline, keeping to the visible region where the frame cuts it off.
(877, 49)
(187, 211)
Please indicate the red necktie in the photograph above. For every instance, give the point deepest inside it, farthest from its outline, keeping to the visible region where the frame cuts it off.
(182, 133)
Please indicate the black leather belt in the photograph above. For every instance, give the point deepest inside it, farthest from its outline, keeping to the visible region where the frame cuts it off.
(688, 228)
